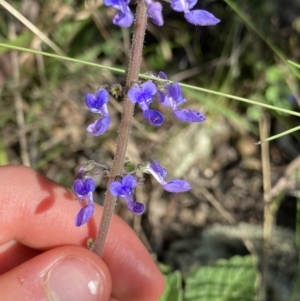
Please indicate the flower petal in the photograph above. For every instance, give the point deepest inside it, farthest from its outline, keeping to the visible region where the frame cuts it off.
(79, 188)
(123, 18)
(84, 215)
(164, 99)
(180, 5)
(135, 207)
(187, 115)
(89, 198)
(134, 93)
(177, 185)
(128, 183)
(102, 97)
(104, 111)
(89, 184)
(154, 11)
(191, 3)
(100, 126)
(201, 17)
(116, 188)
(95, 103)
(83, 187)
(149, 90)
(162, 75)
(154, 117)
(175, 95)
(90, 99)
(157, 171)
(116, 4)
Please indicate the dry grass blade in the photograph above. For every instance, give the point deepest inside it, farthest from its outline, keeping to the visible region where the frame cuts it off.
(268, 214)
(283, 182)
(18, 100)
(31, 26)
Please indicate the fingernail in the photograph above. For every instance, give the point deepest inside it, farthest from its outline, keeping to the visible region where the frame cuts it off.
(73, 279)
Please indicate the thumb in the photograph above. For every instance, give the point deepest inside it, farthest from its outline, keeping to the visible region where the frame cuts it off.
(68, 273)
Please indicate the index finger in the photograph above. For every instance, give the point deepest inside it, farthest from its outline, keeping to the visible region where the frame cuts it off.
(39, 213)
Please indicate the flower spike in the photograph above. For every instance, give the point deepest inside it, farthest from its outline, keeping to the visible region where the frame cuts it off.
(124, 188)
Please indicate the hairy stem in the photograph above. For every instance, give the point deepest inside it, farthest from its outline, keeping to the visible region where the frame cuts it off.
(135, 60)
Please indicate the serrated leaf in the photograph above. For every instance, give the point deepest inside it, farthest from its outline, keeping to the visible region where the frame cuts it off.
(227, 280)
(173, 289)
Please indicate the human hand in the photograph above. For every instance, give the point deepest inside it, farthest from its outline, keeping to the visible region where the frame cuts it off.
(43, 256)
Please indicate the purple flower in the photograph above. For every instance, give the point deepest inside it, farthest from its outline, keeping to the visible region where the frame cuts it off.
(99, 126)
(172, 97)
(98, 104)
(196, 17)
(201, 17)
(83, 188)
(124, 18)
(84, 215)
(159, 173)
(154, 11)
(144, 95)
(124, 188)
(162, 75)
(116, 4)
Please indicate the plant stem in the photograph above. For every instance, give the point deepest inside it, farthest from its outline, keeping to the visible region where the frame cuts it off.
(135, 60)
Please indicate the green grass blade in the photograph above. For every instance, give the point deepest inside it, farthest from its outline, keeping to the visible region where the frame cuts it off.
(118, 70)
(60, 57)
(294, 64)
(280, 135)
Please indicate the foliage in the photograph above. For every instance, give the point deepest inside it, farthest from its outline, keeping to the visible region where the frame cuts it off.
(226, 280)
(173, 285)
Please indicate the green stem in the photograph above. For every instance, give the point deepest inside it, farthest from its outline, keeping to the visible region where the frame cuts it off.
(135, 60)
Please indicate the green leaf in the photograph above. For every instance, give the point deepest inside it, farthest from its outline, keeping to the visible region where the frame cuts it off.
(173, 290)
(227, 280)
(274, 74)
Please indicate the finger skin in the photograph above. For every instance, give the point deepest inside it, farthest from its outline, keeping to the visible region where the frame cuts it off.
(29, 280)
(39, 214)
(13, 254)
